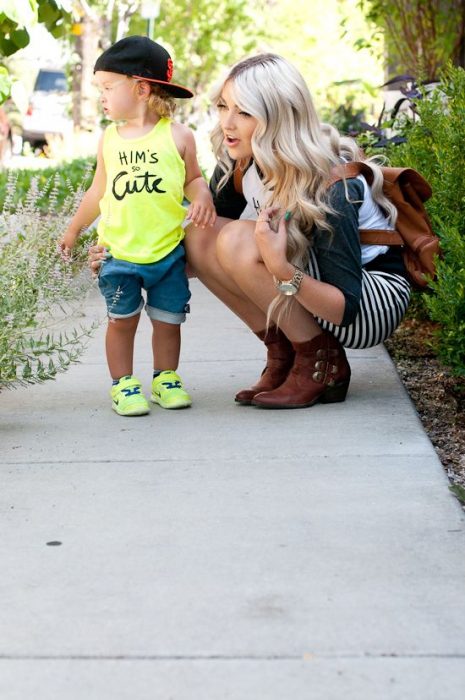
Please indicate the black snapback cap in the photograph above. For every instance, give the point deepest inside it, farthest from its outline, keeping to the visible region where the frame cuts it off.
(140, 57)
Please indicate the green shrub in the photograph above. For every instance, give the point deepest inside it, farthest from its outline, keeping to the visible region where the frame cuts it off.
(435, 147)
(447, 304)
(347, 116)
(66, 177)
(40, 292)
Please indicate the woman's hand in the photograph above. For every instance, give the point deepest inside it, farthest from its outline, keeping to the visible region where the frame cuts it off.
(271, 240)
(97, 254)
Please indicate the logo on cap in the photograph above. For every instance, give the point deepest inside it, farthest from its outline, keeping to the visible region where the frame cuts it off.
(169, 70)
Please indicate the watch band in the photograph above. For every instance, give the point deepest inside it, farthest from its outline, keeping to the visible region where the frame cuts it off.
(292, 286)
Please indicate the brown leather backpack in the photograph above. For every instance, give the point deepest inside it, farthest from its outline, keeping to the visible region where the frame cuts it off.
(407, 190)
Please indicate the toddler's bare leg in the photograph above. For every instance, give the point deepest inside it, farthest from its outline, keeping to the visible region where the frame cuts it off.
(119, 344)
(166, 345)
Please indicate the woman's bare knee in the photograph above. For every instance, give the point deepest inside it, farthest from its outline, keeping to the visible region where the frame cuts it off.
(200, 244)
(235, 245)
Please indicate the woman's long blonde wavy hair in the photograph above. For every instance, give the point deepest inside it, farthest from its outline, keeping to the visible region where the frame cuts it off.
(293, 150)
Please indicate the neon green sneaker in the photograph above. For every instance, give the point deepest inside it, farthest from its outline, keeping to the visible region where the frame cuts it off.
(168, 391)
(128, 399)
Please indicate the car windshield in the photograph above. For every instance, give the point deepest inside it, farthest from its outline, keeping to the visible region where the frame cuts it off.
(51, 81)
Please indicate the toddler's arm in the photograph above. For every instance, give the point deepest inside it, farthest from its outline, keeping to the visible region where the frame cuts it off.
(88, 209)
(201, 210)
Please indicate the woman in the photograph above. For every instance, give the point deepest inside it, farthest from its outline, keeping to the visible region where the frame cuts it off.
(284, 254)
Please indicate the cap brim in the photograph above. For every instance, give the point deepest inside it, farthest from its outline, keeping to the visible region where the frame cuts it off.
(171, 88)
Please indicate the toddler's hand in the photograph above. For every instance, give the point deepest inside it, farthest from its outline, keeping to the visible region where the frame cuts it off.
(66, 244)
(202, 212)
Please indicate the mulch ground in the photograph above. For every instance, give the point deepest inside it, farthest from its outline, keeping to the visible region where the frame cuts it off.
(439, 397)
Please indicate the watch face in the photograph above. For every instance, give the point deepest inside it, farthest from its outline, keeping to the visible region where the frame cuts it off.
(287, 288)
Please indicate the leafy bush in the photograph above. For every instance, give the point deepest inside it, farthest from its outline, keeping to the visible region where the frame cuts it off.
(66, 177)
(39, 290)
(434, 146)
(430, 137)
(447, 305)
(345, 111)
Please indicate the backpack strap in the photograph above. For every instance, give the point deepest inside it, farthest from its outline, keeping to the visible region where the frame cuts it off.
(391, 177)
(408, 191)
(347, 171)
(380, 236)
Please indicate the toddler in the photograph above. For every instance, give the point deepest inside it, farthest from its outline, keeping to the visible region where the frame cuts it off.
(146, 164)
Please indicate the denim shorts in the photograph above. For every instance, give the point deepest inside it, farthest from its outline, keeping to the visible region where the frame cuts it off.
(165, 282)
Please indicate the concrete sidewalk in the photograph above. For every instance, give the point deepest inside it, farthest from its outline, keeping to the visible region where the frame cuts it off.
(226, 551)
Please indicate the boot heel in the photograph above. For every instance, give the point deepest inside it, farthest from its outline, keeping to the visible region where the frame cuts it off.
(336, 393)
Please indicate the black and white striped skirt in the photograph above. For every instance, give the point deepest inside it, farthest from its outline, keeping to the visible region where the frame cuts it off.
(384, 301)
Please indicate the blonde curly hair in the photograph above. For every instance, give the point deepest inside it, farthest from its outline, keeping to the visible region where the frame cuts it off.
(161, 102)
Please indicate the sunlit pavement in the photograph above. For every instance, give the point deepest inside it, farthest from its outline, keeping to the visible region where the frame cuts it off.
(225, 551)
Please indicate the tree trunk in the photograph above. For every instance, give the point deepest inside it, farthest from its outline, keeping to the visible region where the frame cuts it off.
(85, 112)
(460, 60)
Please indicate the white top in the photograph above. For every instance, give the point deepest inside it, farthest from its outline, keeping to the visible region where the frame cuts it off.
(370, 215)
(254, 193)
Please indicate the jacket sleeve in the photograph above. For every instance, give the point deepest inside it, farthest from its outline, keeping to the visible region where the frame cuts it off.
(338, 253)
(227, 201)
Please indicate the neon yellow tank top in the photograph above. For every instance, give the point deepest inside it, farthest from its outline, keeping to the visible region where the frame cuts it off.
(141, 210)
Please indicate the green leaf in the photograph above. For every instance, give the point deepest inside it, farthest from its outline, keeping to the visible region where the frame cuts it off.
(7, 47)
(22, 12)
(20, 37)
(459, 492)
(5, 84)
(27, 370)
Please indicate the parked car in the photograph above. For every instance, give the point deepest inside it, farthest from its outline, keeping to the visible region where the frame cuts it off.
(49, 107)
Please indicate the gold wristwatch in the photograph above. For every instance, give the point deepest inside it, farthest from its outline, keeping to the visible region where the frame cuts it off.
(292, 286)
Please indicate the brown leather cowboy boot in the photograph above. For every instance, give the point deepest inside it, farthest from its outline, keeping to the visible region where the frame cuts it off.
(320, 373)
(280, 358)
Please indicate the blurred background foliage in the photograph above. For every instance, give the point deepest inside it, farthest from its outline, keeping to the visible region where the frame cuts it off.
(204, 37)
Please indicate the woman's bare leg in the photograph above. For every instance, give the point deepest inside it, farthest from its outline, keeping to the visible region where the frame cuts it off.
(239, 258)
(202, 256)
